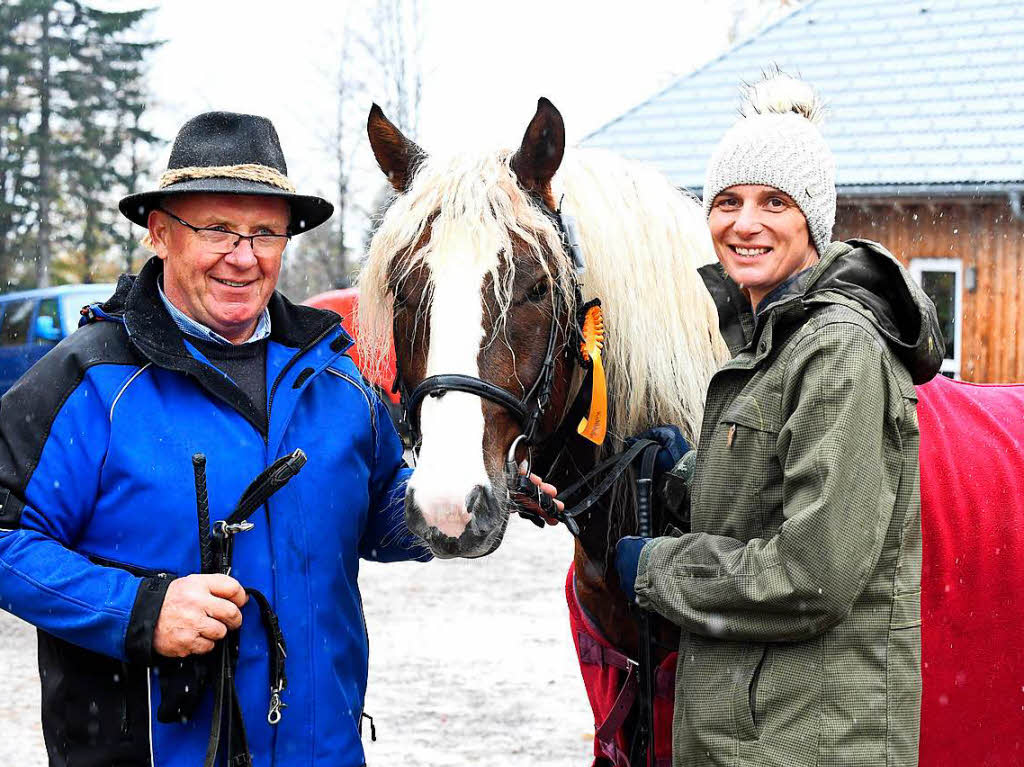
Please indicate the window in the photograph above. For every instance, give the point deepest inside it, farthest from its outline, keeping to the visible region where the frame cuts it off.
(14, 328)
(942, 281)
(73, 303)
(48, 332)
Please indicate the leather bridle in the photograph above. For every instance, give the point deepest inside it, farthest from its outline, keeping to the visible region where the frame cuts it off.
(529, 409)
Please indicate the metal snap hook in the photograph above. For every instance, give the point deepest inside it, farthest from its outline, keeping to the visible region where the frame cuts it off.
(276, 704)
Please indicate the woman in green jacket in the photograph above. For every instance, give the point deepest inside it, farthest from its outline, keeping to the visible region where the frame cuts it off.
(798, 587)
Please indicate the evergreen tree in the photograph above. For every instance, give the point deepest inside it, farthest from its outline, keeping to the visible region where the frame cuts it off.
(72, 95)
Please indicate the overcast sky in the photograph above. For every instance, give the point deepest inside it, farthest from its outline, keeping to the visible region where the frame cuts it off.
(485, 65)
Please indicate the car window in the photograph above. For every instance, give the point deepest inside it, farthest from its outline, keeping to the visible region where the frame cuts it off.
(73, 303)
(14, 327)
(49, 307)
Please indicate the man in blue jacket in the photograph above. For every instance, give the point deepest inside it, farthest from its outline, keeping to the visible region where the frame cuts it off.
(99, 534)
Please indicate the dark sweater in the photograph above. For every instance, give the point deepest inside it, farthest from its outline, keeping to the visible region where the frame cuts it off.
(244, 364)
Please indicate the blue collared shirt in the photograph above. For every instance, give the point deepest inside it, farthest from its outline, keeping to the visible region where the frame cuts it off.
(190, 327)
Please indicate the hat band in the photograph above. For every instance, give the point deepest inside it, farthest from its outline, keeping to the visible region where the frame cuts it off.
(247, 172)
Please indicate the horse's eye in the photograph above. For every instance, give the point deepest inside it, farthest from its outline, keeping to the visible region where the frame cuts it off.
(538, 291)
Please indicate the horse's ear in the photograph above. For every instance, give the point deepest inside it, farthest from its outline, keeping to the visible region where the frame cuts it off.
(540, 154)
(396, 155)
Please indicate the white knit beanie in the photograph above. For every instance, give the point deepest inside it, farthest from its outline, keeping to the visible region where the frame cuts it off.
(777, 142)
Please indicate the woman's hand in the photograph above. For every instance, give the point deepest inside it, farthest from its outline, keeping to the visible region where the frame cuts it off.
(627, 563)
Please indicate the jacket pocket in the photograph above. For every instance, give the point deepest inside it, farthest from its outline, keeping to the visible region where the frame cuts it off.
(741, 480)
(752, 412)
(903, 693)
(745, 699)
(752, 693)
(138, 572)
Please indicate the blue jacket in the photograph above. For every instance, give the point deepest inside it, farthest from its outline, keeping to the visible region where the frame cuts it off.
(98, 512)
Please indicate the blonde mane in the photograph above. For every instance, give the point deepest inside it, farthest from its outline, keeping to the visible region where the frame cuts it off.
(642, 242)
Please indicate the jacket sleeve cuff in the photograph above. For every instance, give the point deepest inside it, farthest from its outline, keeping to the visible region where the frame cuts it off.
(643, 580)
(138, 641)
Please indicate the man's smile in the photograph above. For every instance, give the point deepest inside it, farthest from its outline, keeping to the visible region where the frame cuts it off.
(233, 283)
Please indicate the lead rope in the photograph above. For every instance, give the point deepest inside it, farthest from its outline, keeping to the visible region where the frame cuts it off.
(216, 548)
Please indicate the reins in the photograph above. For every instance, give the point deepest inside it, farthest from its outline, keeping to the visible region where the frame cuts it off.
(638, 688)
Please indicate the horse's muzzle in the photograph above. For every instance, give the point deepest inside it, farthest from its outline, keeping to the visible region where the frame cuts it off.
(470, 529)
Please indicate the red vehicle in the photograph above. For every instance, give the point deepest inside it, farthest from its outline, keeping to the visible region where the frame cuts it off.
(346, 303)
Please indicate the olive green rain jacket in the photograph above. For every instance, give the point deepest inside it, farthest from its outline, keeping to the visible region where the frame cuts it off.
(798, 589)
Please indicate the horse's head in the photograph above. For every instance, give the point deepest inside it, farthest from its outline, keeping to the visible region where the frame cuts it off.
(468, 274)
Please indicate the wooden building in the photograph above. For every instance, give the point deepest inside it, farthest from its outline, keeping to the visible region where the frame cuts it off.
(969, 256)
(926, 119)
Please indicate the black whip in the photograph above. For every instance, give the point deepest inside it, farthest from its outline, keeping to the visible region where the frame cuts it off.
(643, 745)
(203, 513)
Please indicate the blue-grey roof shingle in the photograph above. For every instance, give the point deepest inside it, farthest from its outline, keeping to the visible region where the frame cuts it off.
(919, 92)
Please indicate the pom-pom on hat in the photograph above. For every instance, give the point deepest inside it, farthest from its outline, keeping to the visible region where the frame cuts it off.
(228, 153)
(777, 142)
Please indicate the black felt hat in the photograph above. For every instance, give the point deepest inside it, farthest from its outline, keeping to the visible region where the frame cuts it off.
(228, 153)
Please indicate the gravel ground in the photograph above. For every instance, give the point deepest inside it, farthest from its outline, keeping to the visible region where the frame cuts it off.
(471, 663)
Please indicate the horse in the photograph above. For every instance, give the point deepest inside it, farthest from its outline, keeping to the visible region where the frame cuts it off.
(467, 276)
(472, 276)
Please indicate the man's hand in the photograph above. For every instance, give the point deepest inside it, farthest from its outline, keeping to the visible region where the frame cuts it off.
(197, 611)
(548, 490)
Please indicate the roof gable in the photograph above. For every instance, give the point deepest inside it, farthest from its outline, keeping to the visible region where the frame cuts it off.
(924, 93)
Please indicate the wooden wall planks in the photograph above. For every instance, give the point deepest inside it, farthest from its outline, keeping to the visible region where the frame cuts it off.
(985, 236)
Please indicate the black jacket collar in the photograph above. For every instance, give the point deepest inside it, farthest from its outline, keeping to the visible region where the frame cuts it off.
(735, 318)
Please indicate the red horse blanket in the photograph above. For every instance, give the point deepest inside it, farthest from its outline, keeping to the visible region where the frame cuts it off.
(605, 671)
(972, 599)
(972, 518)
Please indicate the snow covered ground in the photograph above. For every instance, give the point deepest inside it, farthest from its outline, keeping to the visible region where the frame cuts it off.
(471, 663)
(21, 737)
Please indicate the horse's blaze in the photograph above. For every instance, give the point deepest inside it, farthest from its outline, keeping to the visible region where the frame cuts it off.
(450, 472)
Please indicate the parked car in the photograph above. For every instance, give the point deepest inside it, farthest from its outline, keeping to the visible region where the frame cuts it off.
(34, 321)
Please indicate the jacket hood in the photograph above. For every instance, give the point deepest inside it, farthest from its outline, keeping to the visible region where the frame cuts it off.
(858, 271)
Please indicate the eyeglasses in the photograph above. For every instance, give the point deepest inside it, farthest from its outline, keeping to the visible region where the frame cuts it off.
(220, 240)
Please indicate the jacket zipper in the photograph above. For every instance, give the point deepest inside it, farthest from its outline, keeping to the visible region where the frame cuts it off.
(288, 366)
(125, 721)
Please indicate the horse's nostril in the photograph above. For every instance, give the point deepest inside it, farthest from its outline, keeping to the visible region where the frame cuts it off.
(481, 502)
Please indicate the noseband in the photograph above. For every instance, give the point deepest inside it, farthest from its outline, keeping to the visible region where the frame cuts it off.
(530, 408)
